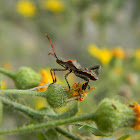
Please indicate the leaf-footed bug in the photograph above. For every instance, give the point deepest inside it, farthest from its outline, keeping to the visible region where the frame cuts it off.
(72, 66)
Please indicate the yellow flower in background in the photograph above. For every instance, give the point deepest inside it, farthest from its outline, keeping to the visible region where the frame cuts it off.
(137, 53)
(26, 8)
(118, 53)
(54, 5)
(3, 85)
(105, 56)
(41, 102)
(94, 50)
(46, 78)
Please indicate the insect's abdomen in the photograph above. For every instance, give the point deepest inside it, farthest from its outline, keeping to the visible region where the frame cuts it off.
(85, 75)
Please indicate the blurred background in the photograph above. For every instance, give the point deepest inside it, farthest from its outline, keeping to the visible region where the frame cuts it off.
(103, 32)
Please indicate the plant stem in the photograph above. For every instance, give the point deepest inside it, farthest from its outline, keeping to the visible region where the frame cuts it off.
(31, 128)
(7, 73)
(37, 116)
(26, 110)
(24, 92)
(66, 134)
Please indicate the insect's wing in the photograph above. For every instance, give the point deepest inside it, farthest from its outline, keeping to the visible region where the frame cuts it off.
(77, 65)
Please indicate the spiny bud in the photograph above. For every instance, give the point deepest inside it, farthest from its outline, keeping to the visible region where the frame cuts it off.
(112, 114)
(57, 95)
(26, 78)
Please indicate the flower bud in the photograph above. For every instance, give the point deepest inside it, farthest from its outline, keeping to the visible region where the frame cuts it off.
(112, 114)
(57, 95)
(26, 78)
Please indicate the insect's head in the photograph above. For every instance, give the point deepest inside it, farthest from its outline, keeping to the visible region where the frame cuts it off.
(60, 62)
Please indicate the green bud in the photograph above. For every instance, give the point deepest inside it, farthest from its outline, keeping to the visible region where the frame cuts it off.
(26, 78)
(57, 95)
(112, 114)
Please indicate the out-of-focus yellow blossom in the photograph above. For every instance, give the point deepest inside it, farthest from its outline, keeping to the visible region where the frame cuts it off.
(3, 85)
(137, 53)
(128, 138)
(7, 65)
(26, 8)
(105, 56)
(46, 78)
(41, 102)
(118, 53)
(125, 138)
(54, 5)
(62, 109)
(94, 50)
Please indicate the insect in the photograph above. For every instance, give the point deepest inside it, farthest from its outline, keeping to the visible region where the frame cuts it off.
(114, 106)
(72, 66)
(132, 106)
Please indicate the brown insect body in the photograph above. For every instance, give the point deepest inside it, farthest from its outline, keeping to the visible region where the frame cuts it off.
(73, 67)
(77, 69)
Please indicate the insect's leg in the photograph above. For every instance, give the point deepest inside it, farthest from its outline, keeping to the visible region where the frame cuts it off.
(96, 68)
(53, 76)
(85, 85)
(79, 93)
(88, 87)
(66, 78)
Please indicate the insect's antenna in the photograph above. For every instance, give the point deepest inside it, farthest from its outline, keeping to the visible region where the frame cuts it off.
(52, 47)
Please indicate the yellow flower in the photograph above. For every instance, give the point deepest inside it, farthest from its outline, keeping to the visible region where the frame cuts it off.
(3, 85)
(26, 8)
(136, 108)
(105, 56)
(77, 92)
(94, 50)
(54, 5)
(137, 53)
(118, 53)
(46, 78)
(41, 102)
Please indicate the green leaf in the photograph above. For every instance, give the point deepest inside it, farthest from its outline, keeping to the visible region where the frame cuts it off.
(124, 137)
(52, 115)
(91, 127)
(47, 111)
(69, 113)
(50, 134)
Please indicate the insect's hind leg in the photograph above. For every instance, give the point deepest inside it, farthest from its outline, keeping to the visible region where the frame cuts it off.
(85, 85)
(67, 80)
(96, 68)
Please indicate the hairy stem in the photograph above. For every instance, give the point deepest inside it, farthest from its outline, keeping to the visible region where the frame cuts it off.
(31, 128)
(66, 134)
(37, 116)
(26, 110)
(24, 92)
(7, 73)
